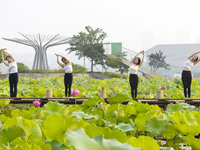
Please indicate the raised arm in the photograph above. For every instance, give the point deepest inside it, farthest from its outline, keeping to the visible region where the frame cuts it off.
(58, 61)
(136, 56)
(66, 59)
(193, 55)
(2, 55)
(197, 61)
(10, 56)
(142, 59)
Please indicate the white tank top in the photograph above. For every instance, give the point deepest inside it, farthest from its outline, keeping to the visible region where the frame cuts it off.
(133, 69)
(12, 67)
(188, 64)
(68, 68)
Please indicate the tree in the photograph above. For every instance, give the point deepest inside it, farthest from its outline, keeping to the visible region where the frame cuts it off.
(157, 60)
(89, 44)
(117, 63)
(1, 55)
(22, 68)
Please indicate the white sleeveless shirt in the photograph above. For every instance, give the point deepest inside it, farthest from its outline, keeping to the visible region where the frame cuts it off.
(188, 64)
(133, 69)
(68, 68)
(12, 67)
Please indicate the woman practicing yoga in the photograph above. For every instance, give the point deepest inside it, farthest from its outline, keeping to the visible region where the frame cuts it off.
(186, 74)
(13, 73)
(68, 78)
(133, 79)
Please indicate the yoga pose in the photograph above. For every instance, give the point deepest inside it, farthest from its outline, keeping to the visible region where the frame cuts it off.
(133, 78)
(186, 74)
(13, 73)
(68, 78)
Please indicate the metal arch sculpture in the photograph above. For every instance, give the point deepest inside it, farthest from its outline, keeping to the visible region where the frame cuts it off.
(40, 43)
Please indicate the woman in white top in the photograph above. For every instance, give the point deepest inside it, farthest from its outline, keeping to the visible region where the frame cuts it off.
(133, 78)
(186, 74)
(68, 78)
(13, 73)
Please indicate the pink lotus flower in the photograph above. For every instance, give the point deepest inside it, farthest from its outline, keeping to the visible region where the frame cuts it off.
(75, 92)
(36, 103)
(79, 84)
(163, 87)
(144, 77)
(165, 75)
(26, 76)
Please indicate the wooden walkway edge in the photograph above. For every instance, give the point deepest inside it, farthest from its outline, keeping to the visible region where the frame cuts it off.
(160, 102)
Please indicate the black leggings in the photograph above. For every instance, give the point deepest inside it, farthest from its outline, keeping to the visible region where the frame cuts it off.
(68, 83)
(187, 80)
(133, 79)
(13, 80)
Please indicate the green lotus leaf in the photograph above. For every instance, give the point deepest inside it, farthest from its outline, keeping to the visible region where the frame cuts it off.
(55, 145)
(170, 133)
(119, 98)
(53, 107)
(174, 107)
(10, 133)
(30, 127)
(186, 129)
(98, 143)
(92, 102)
(125, 127)
(139, 106)
(189, 117)
(3, 118)
(115, 134)
(193, 142)
(179, 118)
(141, 119)
(156, 126)
(144, 142)
(93, 131)
(55, 126)
(26, 114)
(81, 114)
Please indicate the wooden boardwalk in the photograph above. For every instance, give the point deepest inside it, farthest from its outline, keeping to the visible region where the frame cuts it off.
(160, 102)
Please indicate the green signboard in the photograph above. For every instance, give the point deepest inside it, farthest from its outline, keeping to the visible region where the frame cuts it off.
(116, 48)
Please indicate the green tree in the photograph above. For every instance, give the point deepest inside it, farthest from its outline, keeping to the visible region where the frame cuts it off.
(116, 63)
(22, 68)
(1, 55)
(89, 44)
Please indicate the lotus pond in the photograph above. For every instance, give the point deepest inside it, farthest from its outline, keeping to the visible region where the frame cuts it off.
(97, 125)
(88, 87)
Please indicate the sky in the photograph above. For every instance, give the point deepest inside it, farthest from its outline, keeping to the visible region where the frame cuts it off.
(138, 24)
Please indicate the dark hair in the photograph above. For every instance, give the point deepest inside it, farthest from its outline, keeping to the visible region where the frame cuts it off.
(7, 57)
(197, 59)
(62, 58)
(139, 60)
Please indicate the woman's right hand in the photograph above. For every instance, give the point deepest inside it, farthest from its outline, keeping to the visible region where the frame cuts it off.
(56, 54)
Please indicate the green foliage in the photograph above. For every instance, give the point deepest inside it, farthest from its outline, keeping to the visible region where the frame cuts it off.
(29, 87)
(117, 63)
(156, 126)
(22, 68)
(89, 44)
(98, 143)
(102, 125)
